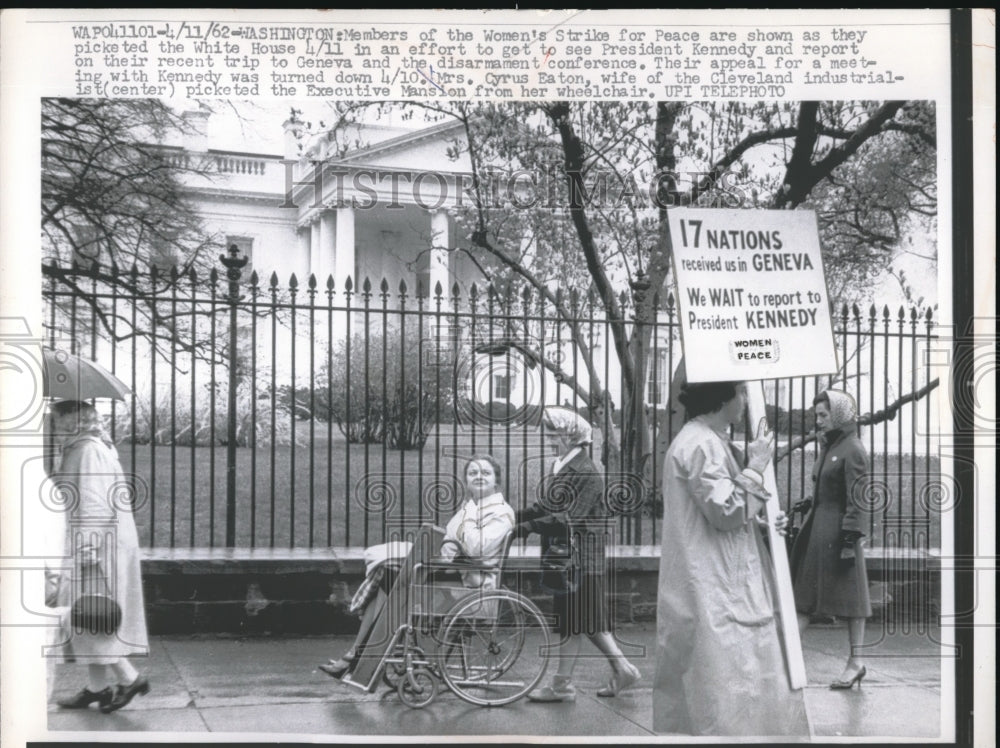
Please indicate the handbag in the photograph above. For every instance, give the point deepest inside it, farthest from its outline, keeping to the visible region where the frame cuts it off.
(559, 569)
(95, 608)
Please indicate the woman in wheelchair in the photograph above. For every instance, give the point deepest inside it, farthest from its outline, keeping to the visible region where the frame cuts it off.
(477, 532)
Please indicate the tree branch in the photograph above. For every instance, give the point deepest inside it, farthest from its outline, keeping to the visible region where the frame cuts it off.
(574, 158)
(870, 419)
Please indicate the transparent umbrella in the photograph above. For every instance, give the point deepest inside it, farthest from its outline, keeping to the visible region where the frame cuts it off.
(69, 377)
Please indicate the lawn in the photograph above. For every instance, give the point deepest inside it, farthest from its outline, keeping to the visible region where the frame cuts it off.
(335, 494)
(322, 491)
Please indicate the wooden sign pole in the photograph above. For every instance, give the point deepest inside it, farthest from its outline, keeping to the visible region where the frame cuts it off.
(779, 557)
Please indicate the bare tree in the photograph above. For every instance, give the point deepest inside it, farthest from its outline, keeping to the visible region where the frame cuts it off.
(115, 219)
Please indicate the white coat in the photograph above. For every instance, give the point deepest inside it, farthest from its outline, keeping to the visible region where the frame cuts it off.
(720, 668)
(100, 515)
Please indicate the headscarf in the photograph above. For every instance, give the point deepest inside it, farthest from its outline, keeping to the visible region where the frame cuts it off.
(843, 409)
(568, 422)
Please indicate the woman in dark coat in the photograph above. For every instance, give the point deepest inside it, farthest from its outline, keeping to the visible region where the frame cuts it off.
(572, 512)
(828, 560)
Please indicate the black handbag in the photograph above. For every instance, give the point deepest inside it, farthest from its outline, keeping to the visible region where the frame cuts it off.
(95, 609)
(560, 572)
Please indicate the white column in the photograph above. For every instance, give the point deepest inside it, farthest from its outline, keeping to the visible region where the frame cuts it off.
(344, 262)
(327, 246)
(440, 242)
(303, 238)
(315, 243)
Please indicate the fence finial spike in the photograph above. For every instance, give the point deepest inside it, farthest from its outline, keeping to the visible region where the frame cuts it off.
(402, 287)
(213, 276)
(274, 280)
(473, 291)
(438, 291)
(293, 282)
(366, 285)
(384, 285)
(456, 290)
(348, 285)
(254, 278)
(329, 283)
(312, 282)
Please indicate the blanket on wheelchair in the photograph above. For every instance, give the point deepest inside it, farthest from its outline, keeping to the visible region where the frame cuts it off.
(376, 558)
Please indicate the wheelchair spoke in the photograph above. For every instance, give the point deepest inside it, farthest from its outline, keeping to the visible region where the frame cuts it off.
(485, 657)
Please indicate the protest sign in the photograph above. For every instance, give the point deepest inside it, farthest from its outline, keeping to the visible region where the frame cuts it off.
(752, 294)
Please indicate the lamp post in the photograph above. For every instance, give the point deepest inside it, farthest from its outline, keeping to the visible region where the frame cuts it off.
(234, 265)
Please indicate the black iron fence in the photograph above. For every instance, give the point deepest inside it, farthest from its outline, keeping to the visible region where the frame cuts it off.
(279, 413)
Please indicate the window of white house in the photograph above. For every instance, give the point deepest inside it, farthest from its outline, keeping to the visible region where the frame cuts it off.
(503, 385)
(87, 246)
(658, 391)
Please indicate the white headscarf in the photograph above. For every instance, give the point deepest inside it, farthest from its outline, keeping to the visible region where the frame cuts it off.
(843, 408)
(570, 423)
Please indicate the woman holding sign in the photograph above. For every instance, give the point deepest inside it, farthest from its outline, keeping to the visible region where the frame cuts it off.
(828, 561)
(720, 667)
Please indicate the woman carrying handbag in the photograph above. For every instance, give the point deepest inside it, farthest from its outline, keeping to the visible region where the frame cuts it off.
(828, 560)
(100, 598)
(573, 520)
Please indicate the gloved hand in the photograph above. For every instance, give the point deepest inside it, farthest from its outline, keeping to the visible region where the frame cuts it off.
(848, 540)
(802, 507)
(523, 529)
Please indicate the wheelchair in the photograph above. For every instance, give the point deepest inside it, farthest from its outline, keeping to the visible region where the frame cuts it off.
(489, 647)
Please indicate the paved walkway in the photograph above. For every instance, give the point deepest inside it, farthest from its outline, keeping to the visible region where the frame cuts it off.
(271, 686)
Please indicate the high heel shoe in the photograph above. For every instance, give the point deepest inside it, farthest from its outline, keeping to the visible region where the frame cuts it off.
(620, 681)
(848, 684)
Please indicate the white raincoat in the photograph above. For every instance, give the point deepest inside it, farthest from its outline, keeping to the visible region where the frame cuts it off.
(720, 667)
(100, 516)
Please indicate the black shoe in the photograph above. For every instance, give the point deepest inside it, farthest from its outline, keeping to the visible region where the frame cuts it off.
(124, 694)
(85, 698)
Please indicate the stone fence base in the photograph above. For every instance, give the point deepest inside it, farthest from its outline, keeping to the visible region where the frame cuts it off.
(303, 591)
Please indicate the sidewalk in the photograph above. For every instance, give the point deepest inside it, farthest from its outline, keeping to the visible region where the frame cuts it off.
(270, 686)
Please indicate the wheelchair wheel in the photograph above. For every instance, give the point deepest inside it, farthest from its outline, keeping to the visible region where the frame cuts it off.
(494, 647)
(395, 668)
(421, 691)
